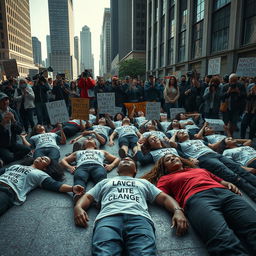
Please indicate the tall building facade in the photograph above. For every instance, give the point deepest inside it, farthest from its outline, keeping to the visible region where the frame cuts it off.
(187, 34)
(128, 30)
(62, 57)
(86, 59)
(37, 51)
(77, 52)
(105, 58)
(48, 48)
(15, 34)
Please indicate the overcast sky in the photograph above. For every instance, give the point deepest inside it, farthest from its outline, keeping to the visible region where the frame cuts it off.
(86, 12)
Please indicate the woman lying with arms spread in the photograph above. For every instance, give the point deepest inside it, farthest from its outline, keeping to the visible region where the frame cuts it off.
(222, 218)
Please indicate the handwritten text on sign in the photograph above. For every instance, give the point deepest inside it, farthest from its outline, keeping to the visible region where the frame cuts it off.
(80, 108)
(246, 67)
(214, 66)
(57, 111)
(106, 103)
(153, 110)
(216, 124)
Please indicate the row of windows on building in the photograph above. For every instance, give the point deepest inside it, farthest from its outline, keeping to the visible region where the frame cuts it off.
(18, 6)
(220, 29)
(21, 59)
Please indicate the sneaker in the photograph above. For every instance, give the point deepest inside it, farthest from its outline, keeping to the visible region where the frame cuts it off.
(29, 155)
(122, 153)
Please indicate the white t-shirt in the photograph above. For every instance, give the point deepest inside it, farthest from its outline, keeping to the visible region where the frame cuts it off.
(45, 140)
(140, 120)
(92, 118)
(214, 138)
(241, 155)
(23, 179)
(125, 130)
(89, 156)
(158, 153)
(124, 194)
(158, 134)
(102, 129)
(165, 125)
(117, 123)
(195, 148)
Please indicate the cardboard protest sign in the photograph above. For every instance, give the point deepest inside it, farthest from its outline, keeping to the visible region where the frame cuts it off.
(246, 67)
(214, 66)
(140, 106)
(176, 111)
(106, 103)
(80, 108)
(11, 68)
(57, 111)
(216, 124)
(118, 110)
(153, 110)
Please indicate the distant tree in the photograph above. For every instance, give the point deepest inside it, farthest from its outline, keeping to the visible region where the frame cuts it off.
(132, 68)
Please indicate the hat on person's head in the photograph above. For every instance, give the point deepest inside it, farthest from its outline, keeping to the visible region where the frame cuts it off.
(127, 77)
(3, 96)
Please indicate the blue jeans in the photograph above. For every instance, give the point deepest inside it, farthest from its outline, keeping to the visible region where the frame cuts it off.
(94, 171)
(230, 171)
(168, 106)
(132, 234)
(6, 199)
(223, 219)
(51, 152)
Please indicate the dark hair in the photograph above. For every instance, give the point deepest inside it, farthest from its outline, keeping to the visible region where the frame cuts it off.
(222, 146)
(175, 84)
(178, 116)
(146, 148)
(53, 169)
(34, 132)
(159, 169)
(115, 117)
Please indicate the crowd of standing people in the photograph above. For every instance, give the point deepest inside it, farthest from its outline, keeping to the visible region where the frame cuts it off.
(196, 171)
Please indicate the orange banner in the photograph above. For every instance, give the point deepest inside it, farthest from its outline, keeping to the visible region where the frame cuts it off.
(140, 106)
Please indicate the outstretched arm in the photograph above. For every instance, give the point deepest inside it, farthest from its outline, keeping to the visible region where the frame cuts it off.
(80, 216)
(178, 220)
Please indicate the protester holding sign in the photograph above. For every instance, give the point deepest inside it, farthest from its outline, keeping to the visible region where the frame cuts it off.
(18, 180)
(123, 225)
(223, 220)
(90, 163)
(45, 143)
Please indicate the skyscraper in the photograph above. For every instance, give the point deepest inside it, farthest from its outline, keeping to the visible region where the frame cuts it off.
(15, 34)
(62, 37)
(105, 44)
(76, 46)
(37, 52)
(48, 47)
(128, 30)
(86, 61)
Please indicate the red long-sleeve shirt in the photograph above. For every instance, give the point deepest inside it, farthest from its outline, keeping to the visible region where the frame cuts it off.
(184, 184)
(85, 84)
